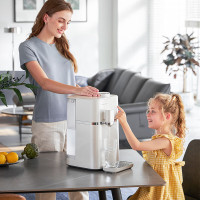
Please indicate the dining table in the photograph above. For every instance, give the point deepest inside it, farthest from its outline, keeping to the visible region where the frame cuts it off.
(50, 173)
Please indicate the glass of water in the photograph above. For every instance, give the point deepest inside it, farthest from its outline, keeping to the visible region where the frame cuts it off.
(110, 148)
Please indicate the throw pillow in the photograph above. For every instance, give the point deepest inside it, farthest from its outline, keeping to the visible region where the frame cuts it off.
(101, 79)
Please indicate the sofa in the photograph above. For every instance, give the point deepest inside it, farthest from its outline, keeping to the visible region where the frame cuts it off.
(133, 92)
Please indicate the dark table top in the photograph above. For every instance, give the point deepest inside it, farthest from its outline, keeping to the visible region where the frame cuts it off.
(49, 172)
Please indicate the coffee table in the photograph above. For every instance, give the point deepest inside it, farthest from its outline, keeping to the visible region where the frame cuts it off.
(49, 173)
(19, 112)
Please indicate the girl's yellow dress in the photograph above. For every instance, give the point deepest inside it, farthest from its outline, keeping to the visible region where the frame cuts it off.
(168, 169)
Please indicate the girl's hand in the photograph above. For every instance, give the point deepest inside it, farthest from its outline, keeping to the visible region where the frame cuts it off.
(121, 115)
(87, 91)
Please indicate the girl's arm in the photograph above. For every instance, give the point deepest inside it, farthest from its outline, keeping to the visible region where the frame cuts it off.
(47, 84)
(160, 143)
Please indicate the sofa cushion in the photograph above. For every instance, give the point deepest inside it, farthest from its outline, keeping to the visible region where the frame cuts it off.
(150, 88)
(132, 89)
(122, 83)
(101, 79)
(114, 79)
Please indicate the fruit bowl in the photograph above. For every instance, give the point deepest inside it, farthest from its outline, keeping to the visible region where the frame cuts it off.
(7, 164)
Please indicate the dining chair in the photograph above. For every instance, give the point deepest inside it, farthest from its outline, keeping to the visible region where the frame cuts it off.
(191, 171)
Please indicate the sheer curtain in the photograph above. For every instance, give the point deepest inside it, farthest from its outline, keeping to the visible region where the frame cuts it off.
(166, 18)
(193, 25)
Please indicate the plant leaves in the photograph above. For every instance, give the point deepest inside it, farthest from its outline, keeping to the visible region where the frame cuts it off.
(192, 38)
(18, 84)
(18, 93)
(166, 37)
(165, 48)
(194, 61)
(3, 98)
(181, 53)
(7, 81)
(31, 86)
(191, 34)
(166, 42)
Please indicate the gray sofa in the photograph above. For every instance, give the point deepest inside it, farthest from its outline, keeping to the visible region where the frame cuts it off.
(133, 91)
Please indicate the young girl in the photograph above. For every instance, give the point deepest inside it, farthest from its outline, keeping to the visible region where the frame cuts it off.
(166, 115)
(45, 54)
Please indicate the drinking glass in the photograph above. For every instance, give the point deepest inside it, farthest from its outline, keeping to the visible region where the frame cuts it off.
(110, 148)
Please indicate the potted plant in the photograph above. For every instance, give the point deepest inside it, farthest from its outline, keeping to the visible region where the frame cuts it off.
(8, 82)
(181, 57)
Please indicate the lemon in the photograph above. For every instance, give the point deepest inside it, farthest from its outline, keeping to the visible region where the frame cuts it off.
(2, 159)
(12, 157)
(4, 153)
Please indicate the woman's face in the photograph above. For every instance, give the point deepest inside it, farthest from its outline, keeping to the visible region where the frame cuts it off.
(57, 23)
(155, 117)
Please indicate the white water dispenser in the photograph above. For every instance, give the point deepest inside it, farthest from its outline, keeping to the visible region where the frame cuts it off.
(90, 120)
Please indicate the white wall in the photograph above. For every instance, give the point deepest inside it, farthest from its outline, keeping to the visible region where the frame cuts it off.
(83, 37)
(108, 21)
(133, 34)
(115, 34)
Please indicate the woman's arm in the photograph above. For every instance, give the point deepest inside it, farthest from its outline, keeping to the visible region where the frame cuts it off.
(160, 143)
(47, 84)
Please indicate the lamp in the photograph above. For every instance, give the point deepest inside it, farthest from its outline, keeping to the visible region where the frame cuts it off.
(13, 30)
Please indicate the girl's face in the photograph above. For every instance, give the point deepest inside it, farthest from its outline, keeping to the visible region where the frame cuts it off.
(57, 23)
(155, 117)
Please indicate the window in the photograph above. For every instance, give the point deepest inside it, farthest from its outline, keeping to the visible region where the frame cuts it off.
(166, 18)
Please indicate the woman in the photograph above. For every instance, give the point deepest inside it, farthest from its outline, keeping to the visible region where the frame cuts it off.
(45, 54)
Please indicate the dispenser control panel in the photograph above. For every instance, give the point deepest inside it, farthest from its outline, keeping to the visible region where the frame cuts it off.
(120, 166)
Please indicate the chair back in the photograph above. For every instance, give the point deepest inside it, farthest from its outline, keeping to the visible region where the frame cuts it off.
(191, 170)
(11, 197)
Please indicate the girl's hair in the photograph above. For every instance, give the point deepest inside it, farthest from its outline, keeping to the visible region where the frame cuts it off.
(50, 7)
(172, 104)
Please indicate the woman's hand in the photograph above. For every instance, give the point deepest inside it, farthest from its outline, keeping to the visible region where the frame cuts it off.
(121, 115)
(87, 91)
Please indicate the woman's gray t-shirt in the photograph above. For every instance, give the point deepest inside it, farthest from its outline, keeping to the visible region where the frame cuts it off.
(49, 106)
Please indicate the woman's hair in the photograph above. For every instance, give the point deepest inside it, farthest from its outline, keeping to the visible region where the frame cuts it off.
(172, 104)
(50, 7)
